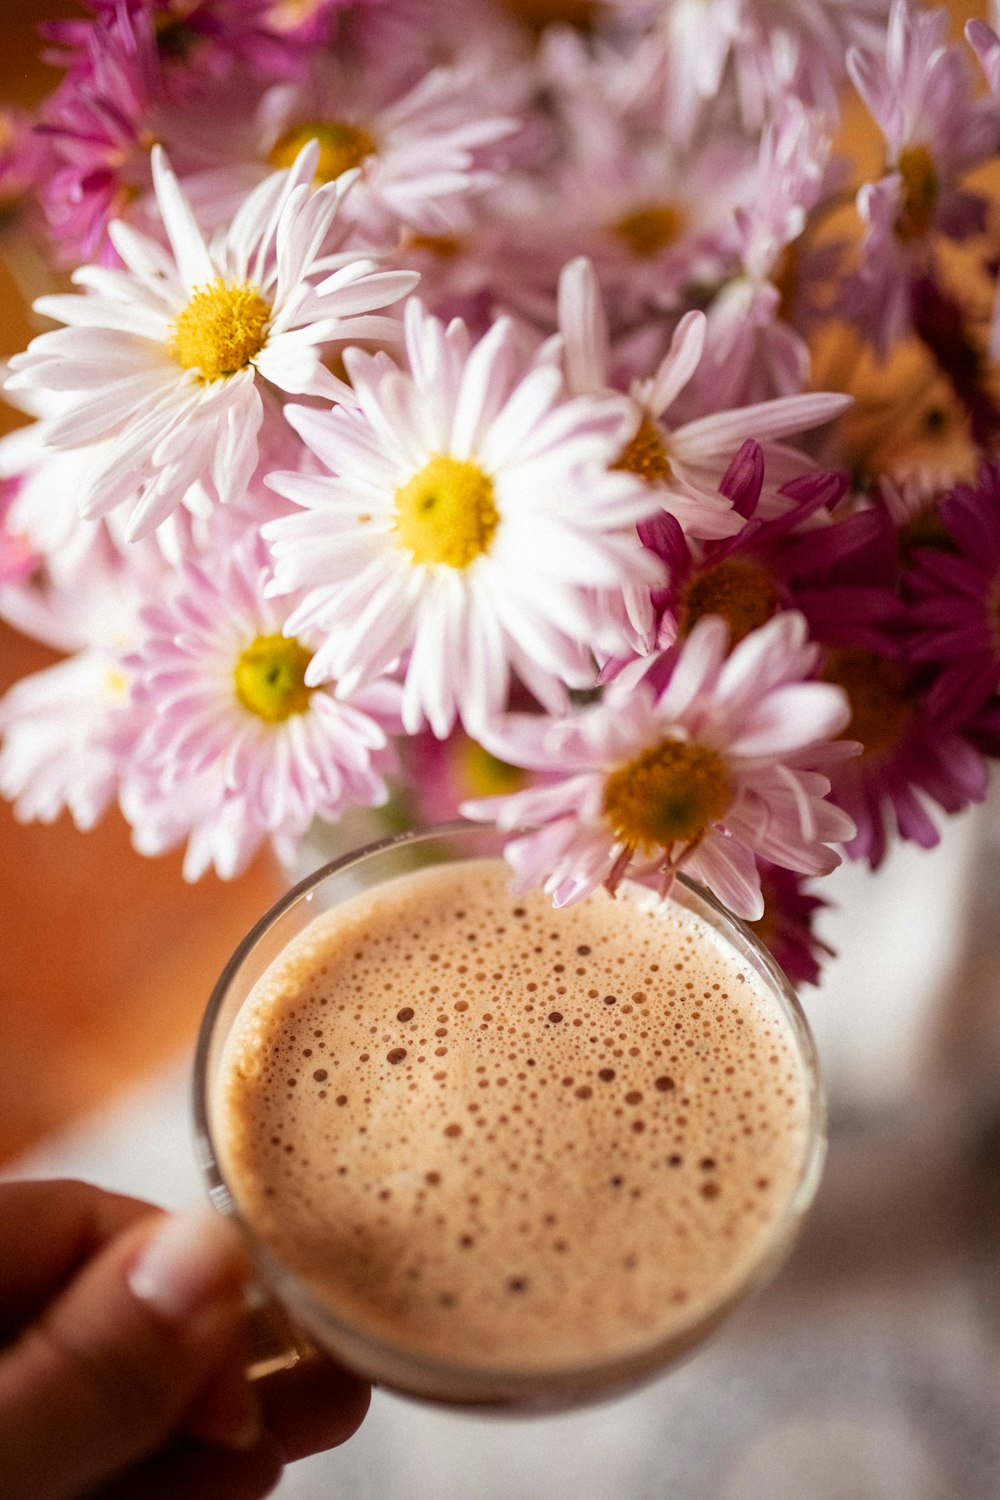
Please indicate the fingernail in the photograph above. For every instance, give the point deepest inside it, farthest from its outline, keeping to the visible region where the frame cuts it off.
(191, 1261)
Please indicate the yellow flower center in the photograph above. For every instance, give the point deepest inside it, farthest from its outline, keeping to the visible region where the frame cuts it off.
(650, 228)
(740, 591)
(447, 513)
(669, 794)
(485, 775)
(341, 146)
(270, 678)
(876, 690)
(222, 329)
(915, 166)
(646, 454)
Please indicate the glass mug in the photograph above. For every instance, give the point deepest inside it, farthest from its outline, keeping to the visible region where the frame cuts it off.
(296, 1314)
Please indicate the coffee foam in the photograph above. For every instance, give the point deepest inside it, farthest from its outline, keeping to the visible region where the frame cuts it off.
(510, 1137)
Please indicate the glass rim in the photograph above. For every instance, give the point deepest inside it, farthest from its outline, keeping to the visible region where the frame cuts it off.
(291, 1289)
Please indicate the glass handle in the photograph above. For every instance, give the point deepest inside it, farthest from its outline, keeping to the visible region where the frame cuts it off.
(274, 1342)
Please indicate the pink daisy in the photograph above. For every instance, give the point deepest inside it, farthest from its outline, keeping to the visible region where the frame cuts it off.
(716, 768)
(758, 52)
(68, 730)
(754, 348)
(654, 215)
(684, 464)
(919, 90)
(201, 36)
(417, 148)
(223, 690)
(179, 358)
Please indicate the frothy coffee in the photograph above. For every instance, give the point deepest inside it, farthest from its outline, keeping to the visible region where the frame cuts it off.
(508, 1137)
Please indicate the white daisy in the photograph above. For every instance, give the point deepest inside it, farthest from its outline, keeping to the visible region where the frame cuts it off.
(173, 357)
(470, 508)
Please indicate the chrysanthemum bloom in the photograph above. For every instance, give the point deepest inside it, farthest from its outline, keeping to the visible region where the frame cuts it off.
(684, 465)
(787, 562)
(755, 349)
(45, 485)
(786, 928)
(100, 123)
(68, 730)
(192, 36)
(223, 690)
(757, 52)
(176, 358)
(920, 93)
(416, 148)
(654, 216)
(910, 761)
(468, 507)
(954, 592)
(709, 772)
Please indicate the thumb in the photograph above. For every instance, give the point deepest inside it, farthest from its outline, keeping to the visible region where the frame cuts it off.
(111, 1368)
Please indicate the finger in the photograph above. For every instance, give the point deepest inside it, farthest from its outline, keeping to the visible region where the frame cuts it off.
(198, 1471)
(48, 1230)
(313, 1406)
(110, 1370)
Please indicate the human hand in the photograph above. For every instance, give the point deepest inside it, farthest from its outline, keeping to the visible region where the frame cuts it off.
(122, 1353)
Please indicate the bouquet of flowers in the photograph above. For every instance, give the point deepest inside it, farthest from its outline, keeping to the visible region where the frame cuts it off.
(549, 411)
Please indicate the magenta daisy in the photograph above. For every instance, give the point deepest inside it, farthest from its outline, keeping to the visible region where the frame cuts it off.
(786, 928)
(911, 762)
(709, 772)
(468, 508)
(100, 123)
(229, 711)
(176, 359)
(787, 562)
(954, 591)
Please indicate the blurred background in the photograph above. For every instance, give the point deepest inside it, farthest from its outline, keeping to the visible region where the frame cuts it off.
(869, 1371)
(107, 957)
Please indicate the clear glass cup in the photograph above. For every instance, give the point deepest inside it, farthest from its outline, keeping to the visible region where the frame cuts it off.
(293, 1320)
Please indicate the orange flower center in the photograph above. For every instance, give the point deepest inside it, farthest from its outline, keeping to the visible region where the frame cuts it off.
(740, 591)
(876, 691)
(670, 794)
